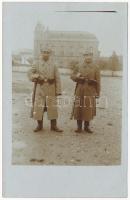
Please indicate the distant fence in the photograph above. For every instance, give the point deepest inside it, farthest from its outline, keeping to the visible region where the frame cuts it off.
(66, 71)
(111, 73)
(21, 68)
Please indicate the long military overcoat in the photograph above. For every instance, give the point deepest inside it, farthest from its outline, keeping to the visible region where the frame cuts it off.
(46, 93)
(85, 93)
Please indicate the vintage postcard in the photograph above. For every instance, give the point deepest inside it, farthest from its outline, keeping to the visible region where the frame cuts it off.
(65, 99)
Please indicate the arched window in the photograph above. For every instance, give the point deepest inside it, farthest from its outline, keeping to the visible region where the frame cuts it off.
(62, 51)
(91, 49)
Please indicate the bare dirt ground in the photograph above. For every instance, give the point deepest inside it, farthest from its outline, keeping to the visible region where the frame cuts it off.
(103, 147)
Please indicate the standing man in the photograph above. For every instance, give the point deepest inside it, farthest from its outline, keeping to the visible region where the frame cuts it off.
(46, 75)
(87, 77)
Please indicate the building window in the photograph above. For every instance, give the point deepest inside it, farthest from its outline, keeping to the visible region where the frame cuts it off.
(61, 53)
(91, 49)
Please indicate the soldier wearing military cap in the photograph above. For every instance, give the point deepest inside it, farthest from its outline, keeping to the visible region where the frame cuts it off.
(87, 78)
(46, 76)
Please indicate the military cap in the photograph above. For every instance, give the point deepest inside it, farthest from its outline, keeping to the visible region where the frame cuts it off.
(88, 52)
(45, 49)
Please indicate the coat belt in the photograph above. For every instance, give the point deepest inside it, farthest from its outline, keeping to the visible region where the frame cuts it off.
(88, 81)
(50, 81)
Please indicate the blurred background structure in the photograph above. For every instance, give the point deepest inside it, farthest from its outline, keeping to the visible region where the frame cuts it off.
(67, 49)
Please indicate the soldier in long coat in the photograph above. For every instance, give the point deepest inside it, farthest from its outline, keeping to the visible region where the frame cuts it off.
(87, 78)
(46, 74)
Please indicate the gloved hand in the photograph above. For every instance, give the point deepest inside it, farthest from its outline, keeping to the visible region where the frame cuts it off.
(80, 79)
(51, 80)
(34, 80)
(40, 80)
(35, 77)
(92, 82)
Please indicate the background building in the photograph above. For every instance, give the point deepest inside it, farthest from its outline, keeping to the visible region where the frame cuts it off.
(67, 46)
(22, 57)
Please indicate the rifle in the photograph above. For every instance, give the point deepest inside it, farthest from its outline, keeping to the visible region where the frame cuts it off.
(33, 99)
(90, 82)
(33, 95)
(72, 113)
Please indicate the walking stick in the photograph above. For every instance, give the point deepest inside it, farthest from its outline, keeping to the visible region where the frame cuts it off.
(72, 113)
(33, 98)
(34, 94)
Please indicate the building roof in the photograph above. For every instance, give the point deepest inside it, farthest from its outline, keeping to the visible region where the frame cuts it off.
(70, 35)
(65, 35)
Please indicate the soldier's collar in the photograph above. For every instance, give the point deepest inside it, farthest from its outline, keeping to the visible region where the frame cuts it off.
(86, 64)
(43, 61)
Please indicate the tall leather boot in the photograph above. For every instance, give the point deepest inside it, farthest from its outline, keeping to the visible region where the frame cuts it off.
(86, 127)
(39, 126)
(54, 126)
(79, 126)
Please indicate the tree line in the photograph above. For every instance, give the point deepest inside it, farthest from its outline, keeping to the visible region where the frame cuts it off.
(113, 63)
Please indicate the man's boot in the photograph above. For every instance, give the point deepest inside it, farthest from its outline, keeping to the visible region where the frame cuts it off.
(54, 126)
(86, 127)
(39, 126)
(79, 126)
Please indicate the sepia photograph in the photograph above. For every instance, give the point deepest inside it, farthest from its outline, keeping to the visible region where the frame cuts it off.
(65, 65)
(66, 87)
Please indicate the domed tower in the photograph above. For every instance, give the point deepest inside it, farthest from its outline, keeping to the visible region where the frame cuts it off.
(38, 39)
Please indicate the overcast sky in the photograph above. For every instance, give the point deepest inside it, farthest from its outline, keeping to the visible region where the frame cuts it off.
(21, 19)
